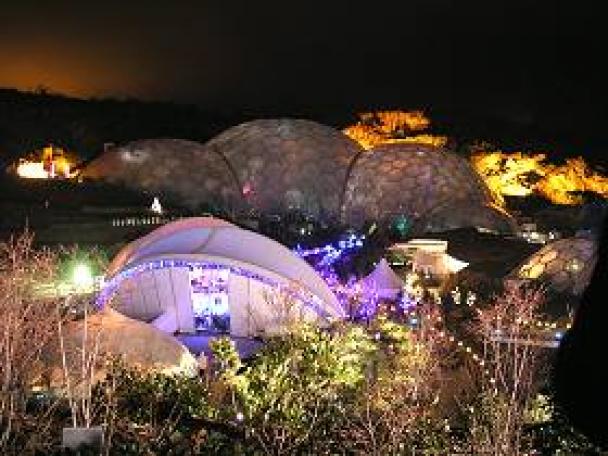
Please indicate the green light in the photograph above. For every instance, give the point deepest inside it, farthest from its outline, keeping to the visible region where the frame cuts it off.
(82, 276)
(401, 225)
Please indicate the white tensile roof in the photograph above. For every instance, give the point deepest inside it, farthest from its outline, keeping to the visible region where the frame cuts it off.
(454, 265)
(384, 278)
(213, 239)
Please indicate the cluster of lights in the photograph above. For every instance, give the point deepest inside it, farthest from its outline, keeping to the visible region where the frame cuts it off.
(408, 301)
(388, 127)
(80, 281)
(466, 349)
(324, 259)
(113, 284)
(540, 325)
(470, 297)
(508, 174)
(331, 253)
(51, 164)
(82, 276)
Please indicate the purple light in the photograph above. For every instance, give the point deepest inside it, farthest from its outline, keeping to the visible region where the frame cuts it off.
(328, 255)
(365, 295)
(113, 284)
(407, 302)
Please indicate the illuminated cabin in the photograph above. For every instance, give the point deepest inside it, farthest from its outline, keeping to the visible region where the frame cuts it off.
(429, 257)
(52, 163)
(203, 274)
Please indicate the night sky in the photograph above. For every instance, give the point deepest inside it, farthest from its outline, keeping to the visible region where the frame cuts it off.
(531, 62)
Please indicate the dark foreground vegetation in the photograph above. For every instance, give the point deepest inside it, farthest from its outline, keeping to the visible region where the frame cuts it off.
(380, 387)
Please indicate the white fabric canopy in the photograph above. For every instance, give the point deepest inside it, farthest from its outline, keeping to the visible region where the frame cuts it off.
(454, 265)
(384, 280)
(220, 241)
(151, 280)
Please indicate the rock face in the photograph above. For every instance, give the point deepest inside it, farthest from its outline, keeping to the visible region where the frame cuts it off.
(116, 335)
(286, 164)
(177, 168)
(437, 189)
(566, 265)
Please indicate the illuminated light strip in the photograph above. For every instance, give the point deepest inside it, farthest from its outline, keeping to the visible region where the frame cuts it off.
(113, 284)
(544, 324)
(466, 349)
(325, 267)
(469, 350)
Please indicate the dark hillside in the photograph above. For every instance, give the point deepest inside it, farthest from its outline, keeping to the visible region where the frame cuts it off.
(31, 120)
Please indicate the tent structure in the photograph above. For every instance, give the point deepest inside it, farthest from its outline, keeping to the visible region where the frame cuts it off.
(384, 281)
(205, 274)
(454, 265)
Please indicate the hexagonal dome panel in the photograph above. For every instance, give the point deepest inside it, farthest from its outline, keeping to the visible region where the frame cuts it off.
(288, 164)
(183, 169)
(436, 188)
(565, 264)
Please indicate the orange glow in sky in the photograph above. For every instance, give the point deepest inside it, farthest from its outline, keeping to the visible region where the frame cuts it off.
(70, 70)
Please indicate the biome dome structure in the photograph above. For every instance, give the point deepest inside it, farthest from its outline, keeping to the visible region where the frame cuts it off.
(203, 273)
(428, 185)
(566, 265)
(277, 165)
(285, 164)
(183, 169)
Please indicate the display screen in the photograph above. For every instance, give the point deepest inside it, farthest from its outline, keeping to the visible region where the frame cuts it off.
(209, 291)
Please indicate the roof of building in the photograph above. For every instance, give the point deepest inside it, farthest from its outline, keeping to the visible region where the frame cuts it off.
(181, 170)
(277, 165)
(284, 164)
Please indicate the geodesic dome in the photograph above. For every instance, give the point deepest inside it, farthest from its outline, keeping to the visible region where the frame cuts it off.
(175, 167)
(285, 164)
(566, 265)
(431, 186)
(276, 165)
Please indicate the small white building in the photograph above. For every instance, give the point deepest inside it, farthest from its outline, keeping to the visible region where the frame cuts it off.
(429, 257)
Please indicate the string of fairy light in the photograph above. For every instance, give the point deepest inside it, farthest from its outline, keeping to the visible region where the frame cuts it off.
(324, 259)
(471, 298)
(465, 348)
